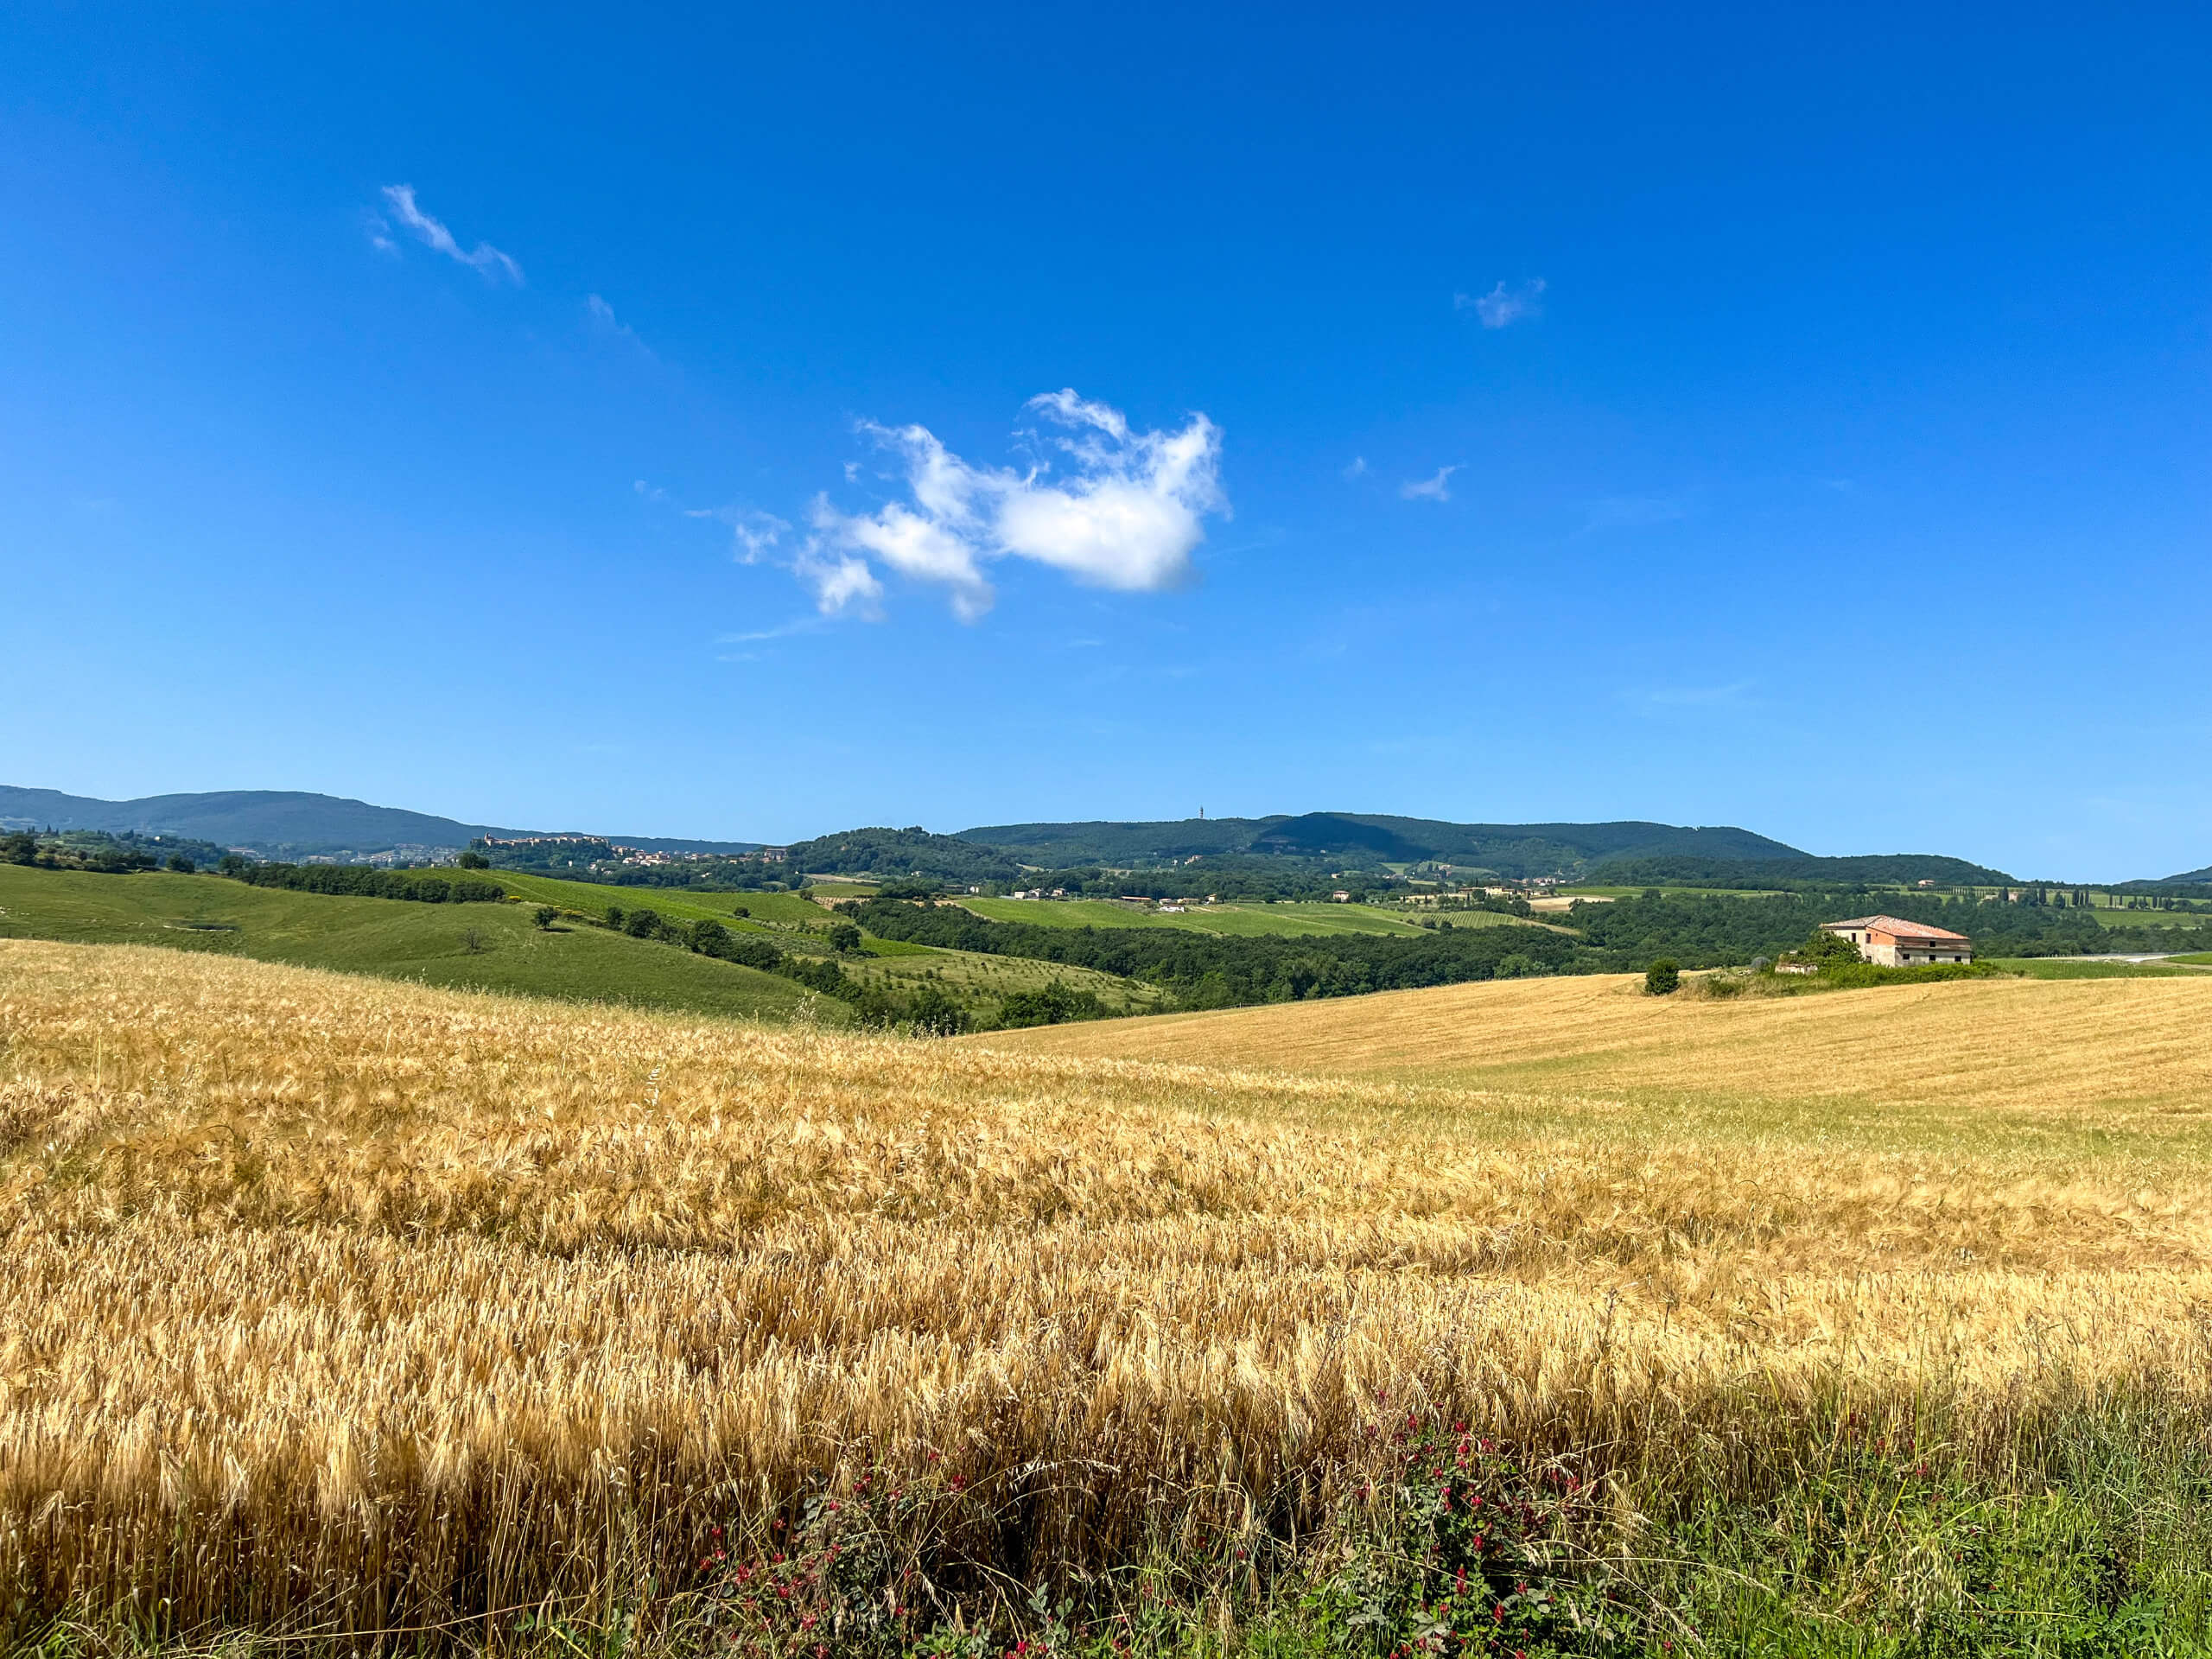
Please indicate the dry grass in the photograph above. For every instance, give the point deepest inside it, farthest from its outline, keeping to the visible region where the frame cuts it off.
(352, 1305)
(1973, 1046)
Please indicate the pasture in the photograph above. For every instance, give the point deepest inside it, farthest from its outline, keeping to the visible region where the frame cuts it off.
(350, 1307)
(678, 904)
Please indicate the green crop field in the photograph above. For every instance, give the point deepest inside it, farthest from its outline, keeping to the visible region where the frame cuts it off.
(2060, 968)
(1240, 919)
(391, 939)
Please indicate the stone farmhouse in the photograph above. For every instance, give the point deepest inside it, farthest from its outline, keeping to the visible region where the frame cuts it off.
(1895, 944)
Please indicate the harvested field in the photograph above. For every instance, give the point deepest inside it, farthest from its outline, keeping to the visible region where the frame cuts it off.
(344, 1304)
(2012, 1047)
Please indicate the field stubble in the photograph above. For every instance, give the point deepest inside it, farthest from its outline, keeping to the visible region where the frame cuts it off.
(347, 1305)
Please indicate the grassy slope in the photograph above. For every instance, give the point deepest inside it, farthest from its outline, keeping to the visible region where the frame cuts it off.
(592, 898)
(2152, 918)
(388, 937)
(2079, 1043)
(1235, 919)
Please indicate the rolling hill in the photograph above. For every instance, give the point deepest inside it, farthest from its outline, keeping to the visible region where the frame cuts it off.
(273, 821)
(2133, 1044)
(1508, 850)
(489, 947)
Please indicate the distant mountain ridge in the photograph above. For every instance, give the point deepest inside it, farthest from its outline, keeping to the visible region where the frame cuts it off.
(295, 823)
(1509, 849)
(278, 821)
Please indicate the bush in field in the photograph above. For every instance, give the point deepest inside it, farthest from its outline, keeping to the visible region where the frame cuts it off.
(642, 923)
(1662, 978)
(932, 1014)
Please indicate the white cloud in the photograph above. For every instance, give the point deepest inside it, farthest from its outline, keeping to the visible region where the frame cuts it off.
(753, 532)
(1128, 515)
(432, 234)
(840, 583)
(1429, 489)
(1359, 468)
(1501, 305)
(605, 323)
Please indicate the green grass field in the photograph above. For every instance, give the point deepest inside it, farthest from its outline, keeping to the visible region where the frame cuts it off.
(592, 898)
(2152, 917)
(2054, 968)
(390, 938)
(1227, 919)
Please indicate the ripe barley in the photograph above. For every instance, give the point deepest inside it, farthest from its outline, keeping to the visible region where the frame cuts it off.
(353, 1305)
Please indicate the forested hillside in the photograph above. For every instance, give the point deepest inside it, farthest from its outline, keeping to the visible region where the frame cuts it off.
(1366, 841)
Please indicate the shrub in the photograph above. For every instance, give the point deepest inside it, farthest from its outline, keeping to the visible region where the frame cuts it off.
(544, 915)
(932, 1014)
(642, 923)
(1663, 977)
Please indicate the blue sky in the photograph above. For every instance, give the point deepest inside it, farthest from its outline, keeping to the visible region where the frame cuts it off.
(655, 424)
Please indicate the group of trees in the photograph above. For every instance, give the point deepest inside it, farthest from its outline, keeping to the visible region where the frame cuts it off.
(1205, 971)
(102, 853)
(929, 1010)
(361, 881)
(1719, 931)
(1800, 874)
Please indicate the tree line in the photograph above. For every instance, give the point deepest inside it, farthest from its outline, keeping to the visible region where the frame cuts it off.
(363, 881)
(1204, 970)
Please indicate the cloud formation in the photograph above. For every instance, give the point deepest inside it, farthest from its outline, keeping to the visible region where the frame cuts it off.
(1501, 305)
(1127, 513)
(432, 234)
(1429, 489)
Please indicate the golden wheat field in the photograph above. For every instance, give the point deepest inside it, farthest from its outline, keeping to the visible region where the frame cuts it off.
(1970, 1048)
(336, 1304)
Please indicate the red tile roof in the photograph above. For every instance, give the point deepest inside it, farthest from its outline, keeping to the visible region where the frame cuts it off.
(1896, 929)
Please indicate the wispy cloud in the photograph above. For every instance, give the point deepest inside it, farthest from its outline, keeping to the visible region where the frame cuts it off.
(1696, 696)
(1357, 469)
(1438, 488)
(1503, 305)
(752, 533)
(781, 630)
(1127, 515)
(432, 233)
(607, 326)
